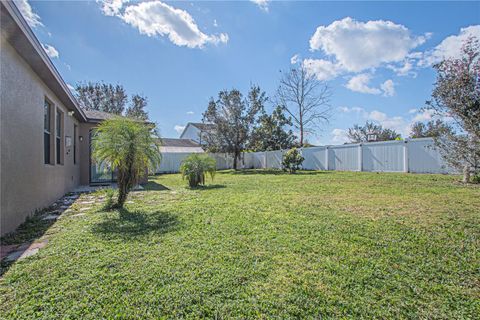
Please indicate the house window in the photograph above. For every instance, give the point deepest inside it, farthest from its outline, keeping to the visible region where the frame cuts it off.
(75, 144)
(47, 131)
(58, 136)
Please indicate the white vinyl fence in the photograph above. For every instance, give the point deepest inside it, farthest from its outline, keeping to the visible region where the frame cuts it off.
(411, 155)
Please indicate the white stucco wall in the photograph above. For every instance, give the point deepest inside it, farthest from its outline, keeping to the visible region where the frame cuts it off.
(27, 183)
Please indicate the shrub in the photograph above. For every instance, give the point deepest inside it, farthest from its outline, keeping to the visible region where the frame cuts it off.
(475, 178)
(292, 160)
(195, 168)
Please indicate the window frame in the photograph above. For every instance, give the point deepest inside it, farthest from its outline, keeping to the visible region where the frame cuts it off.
(75, 134)
(47, 132)
(59, 139)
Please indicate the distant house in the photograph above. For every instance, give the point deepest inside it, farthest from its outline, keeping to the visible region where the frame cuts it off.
(197, 131)
(179, 146)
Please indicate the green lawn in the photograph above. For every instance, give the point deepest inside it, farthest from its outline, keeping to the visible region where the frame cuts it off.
(261, 244)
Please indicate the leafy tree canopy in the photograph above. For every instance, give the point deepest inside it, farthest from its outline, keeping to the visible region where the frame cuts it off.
(457, 95)
(110, 98)
(233, 117)
(270, 132)
(430, 129)
(358, 133)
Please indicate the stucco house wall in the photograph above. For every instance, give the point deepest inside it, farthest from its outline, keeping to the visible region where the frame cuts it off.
(27, 183)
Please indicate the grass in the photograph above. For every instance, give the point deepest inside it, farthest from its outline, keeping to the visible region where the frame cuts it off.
(259, 244)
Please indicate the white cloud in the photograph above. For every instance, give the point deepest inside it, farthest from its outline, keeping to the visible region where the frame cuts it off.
(405, 70)
(450, 47)
(262, 4)
(322, 69)
(112, 7)
(157, 18)
(426, 115)
(339, 136)
(396, 123)
(294, 59)
(412, 111)
(190, 113)
(215, 24)
(72, 88)
(354, 109)
(179, 128)
(359, 83)
(388, 88)
(50, 50)
(357, 46)
(31, 17)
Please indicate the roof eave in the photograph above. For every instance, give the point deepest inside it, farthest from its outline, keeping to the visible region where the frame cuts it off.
(22, 38)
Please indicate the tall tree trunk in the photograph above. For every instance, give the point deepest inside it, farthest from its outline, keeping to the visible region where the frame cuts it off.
(301, 134)
(122, 196)
(466, 174)
(235, 160)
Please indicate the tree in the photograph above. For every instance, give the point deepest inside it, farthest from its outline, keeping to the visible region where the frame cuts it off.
(137, 108)
(457, 95)
(305, 98)
(270, 134)
(233, 117)
(433, 128)
(101, 97)
(128, 147)
(358, 133)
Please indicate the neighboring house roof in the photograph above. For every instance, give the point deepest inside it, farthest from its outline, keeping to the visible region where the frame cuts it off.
(97, 116)
(202, 126)
(170, 145)
(186, 143)
(16, 31)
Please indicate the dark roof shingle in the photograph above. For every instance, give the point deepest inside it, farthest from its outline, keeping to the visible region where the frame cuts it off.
(98, 115)
(203, 126)
(172, 142)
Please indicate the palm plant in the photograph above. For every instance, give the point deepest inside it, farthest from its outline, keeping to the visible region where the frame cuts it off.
(195, 168)
(128, 146)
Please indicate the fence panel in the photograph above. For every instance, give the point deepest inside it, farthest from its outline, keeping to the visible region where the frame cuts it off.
(315, 158)
(423, 157)
(383, 156)
(224, 161)
(414, 155)
(343, 158)
(171, 162)
(274, 159)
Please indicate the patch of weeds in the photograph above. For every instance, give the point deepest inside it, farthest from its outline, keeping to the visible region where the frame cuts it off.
(475, 179)
(33, 227)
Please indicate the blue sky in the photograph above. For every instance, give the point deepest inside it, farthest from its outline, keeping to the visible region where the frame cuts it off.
(376, 56)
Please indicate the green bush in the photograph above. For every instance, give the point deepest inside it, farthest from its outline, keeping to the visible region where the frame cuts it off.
(292, 160)
(475, 178)
(195, 168)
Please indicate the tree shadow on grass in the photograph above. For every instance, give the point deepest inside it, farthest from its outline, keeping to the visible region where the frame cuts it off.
(209, 187)
(154, 186)
(129, 225)
(273, 172)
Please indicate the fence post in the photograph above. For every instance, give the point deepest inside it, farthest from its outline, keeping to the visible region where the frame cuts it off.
(405, 156)
(360, 157)
(326, 158)
(265, 156)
